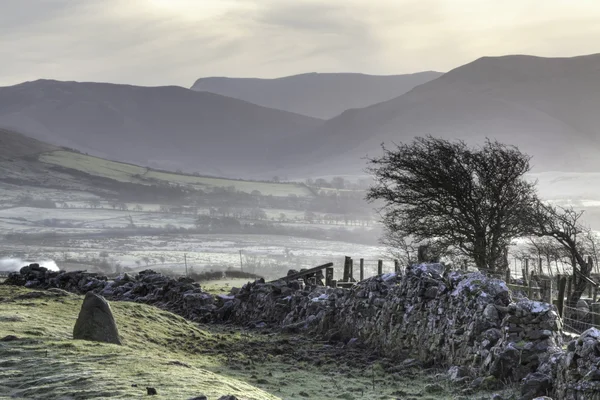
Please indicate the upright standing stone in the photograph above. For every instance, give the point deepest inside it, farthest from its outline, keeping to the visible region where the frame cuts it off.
(95, 321)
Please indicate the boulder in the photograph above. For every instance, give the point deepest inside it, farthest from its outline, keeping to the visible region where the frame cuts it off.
(96, 322)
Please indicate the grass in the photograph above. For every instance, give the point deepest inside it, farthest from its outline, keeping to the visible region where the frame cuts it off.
(183, 360)
(124, 172)
(159, 351)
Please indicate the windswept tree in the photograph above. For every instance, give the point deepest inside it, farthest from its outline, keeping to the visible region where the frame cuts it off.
(470, 199)
(564, 225)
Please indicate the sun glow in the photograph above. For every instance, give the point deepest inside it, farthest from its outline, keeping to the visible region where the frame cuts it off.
(192, 9)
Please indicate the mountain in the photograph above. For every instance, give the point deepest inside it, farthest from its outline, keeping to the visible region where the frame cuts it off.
(168, 127)
(315, 94)
(548, 107)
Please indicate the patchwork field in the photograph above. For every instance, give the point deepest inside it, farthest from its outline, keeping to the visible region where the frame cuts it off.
(135, 174)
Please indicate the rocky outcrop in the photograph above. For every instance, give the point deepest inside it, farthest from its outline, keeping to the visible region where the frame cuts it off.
(95, 321)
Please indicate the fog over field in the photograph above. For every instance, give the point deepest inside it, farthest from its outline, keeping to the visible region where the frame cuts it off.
(15, 264)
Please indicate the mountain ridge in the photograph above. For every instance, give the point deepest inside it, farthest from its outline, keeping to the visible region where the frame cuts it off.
(552, 117)
(321, 95)
(169, 127)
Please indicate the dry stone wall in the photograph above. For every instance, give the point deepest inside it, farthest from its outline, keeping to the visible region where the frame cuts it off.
(452, 319)
(181, 296)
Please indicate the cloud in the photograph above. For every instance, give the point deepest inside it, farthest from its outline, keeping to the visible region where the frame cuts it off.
(161, 42)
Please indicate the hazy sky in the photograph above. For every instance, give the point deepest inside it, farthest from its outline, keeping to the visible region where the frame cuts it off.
(161, 42)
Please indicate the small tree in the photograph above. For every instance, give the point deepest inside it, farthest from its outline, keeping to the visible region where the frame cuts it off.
(471, 199)
(564, 225)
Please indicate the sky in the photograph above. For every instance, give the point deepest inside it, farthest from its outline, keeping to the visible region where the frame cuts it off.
(175, 42)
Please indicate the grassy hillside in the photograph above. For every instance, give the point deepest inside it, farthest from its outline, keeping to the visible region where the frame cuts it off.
(124, 172)
(13, 144)
(159, 351)
(182, 360)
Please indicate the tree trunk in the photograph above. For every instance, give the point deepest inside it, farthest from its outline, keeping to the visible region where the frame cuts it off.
(578, 290)
(480, 254)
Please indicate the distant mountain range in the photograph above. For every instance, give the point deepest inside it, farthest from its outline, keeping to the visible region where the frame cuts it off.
(315, 94)
(169, 127)
(546, 106)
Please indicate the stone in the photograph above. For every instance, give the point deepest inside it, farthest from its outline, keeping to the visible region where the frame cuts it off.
(228, 397)
(506, 360)
(151, 391)
(457, 373)
(534, 385)
(95, 321)
(491, 313)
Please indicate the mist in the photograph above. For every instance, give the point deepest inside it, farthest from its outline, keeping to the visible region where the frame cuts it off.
(15, 264)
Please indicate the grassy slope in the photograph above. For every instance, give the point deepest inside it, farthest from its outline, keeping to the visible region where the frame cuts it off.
(13, 144)
(157, 352)
(132, 173)
(182, 360)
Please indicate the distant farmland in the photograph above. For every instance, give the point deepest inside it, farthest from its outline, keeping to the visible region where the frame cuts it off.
(124, 172)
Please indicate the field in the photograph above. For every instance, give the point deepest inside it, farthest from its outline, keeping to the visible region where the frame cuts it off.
(267, 255)
(135, 174)
(182, 360)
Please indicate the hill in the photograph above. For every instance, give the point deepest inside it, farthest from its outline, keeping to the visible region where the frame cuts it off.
(13, 144)
(546, 106)
(320, 95)
(130, 173)
(167, 127)
(160, 350)
(31, 162)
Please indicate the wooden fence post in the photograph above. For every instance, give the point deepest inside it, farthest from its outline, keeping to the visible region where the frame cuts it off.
(527, 268)
(530, 290)
(590, 263)
(329, 277)
(569, 286)
(346, 276)
(540, 266)
(547, 285)
(351, 269)
(362, 269)
(507, 278)
(379, 267)
(396, 267)
(524, 274)
(562, 283)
